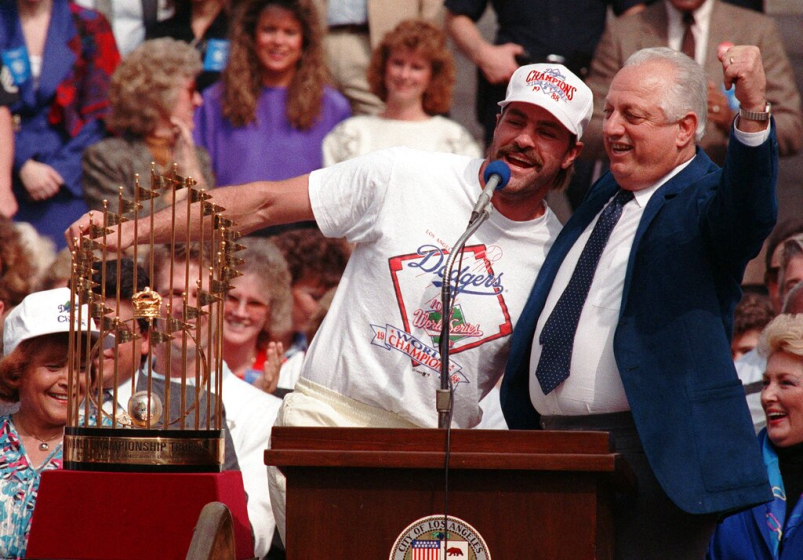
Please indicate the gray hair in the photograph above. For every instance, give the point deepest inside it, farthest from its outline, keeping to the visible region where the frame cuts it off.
(145, 86)
(689, 90)
(265, 261)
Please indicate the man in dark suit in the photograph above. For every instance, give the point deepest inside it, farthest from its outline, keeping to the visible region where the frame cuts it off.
(628, 324)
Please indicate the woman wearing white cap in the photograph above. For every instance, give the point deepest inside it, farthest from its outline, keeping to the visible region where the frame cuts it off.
(33, 372)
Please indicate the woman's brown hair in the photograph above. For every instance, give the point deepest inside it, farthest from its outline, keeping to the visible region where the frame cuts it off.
(242, 77)
(427, 40)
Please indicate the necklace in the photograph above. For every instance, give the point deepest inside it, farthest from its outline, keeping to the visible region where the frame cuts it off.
(44, 444)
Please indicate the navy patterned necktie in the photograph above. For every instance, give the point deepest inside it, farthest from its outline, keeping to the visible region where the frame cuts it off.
(557, 337)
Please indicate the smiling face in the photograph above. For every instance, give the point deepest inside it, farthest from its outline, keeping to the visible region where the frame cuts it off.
(536, 147)
(642, 145)
(43, 385)
(279, 39)
(782, 398)
(246, 312)
(407, 76)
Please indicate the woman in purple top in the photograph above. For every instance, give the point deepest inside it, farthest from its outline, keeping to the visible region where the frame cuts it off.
(267, 117)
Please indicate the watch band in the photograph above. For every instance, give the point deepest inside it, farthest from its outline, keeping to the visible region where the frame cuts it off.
(757, 115)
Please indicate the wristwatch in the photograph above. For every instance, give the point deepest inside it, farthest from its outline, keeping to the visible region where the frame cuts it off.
(757, 115)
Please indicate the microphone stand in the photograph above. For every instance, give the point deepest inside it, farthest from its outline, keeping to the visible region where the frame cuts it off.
(443, 396)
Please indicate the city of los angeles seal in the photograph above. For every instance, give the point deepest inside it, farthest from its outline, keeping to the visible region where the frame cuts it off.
(429, 538)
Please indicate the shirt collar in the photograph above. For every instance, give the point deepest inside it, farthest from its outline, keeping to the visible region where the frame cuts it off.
(642, 196)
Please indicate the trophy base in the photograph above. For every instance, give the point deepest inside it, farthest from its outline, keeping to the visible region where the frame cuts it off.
(127, 450)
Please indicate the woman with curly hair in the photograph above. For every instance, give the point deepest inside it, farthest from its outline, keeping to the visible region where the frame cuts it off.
(412, 71)
(257, 314)
(153, 99)
(267, 117)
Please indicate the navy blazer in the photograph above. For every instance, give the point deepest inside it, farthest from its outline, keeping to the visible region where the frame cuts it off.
(672, 343)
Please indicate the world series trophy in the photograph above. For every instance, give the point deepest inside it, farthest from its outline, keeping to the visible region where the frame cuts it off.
(143, 435)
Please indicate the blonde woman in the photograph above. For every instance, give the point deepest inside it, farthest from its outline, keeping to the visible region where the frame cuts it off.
(153, 100)
(770, 531)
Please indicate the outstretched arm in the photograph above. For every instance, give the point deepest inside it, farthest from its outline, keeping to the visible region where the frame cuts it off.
(250, 206)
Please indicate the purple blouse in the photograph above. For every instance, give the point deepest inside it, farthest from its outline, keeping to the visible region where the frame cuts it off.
(268, 148)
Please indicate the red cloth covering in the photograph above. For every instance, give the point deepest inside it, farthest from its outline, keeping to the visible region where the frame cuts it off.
(127, 516)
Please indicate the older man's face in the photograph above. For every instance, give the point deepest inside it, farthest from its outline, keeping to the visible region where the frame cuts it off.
(642, 145)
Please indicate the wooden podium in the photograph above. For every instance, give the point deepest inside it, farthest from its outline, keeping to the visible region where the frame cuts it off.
(351, 492)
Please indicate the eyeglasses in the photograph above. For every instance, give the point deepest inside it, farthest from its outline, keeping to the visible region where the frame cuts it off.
(251, 305)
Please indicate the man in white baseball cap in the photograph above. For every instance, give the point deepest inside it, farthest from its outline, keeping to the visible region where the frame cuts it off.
(555, 88)
(538, 133)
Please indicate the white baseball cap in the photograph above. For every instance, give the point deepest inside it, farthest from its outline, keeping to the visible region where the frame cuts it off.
(41, 313)
(555, 88)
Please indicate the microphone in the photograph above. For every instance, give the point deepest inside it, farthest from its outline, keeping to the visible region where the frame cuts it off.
(496, 176)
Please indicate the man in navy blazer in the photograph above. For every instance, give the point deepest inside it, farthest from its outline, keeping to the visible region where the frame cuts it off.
(650, 358)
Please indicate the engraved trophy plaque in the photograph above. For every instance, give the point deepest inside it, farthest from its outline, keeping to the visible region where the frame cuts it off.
(177, 428)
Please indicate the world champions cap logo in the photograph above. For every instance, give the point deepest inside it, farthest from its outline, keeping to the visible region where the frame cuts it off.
(552, 83)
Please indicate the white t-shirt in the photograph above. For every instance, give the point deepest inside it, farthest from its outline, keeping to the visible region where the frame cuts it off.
(378, 344)
(364, 134)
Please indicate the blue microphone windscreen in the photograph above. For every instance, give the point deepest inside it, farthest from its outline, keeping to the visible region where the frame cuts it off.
(497, 167)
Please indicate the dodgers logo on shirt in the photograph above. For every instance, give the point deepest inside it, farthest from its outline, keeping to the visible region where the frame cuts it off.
(479, 313)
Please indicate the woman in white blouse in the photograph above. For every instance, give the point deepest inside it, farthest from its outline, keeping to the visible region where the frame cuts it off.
(412, 71)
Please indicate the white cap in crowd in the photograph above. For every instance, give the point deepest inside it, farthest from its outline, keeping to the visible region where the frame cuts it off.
(40, 313)
(555, 88)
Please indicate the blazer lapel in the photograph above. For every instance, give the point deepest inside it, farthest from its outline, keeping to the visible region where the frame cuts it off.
(759, 517)
(58, 59)
(694, 171)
